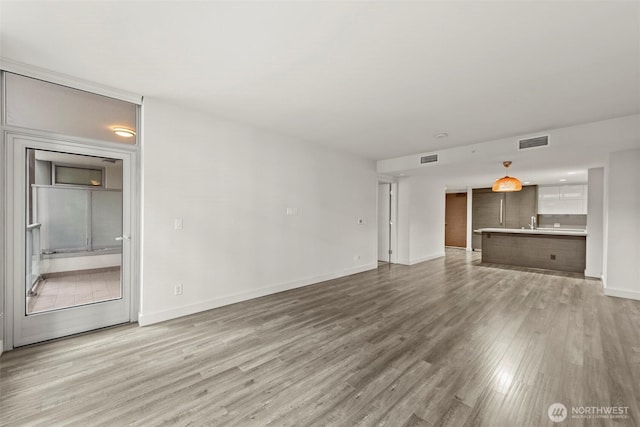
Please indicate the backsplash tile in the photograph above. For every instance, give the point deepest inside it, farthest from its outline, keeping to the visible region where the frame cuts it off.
(578, 222)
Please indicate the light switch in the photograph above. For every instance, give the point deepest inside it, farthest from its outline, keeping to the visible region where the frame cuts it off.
(177, 223)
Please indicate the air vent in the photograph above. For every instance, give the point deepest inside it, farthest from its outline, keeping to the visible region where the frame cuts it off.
(432, 158)
(538, 141)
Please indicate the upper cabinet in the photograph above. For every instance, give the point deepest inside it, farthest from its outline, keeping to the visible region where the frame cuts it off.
(563, 199)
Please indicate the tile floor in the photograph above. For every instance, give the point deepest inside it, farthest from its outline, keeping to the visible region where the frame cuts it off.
(76, 289)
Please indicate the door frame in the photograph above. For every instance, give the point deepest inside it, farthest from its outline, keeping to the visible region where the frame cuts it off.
(10, 221)
(466, 214)
(393, 237)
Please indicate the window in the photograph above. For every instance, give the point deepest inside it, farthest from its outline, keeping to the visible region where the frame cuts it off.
(72, 175)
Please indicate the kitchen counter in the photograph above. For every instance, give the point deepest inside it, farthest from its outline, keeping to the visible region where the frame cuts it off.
(550, 231)
(561, 250)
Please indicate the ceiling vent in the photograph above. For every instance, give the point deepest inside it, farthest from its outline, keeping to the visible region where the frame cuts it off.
(538, 141)
(431, 158)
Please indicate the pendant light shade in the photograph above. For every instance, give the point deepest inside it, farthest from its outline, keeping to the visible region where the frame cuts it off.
(507, 183)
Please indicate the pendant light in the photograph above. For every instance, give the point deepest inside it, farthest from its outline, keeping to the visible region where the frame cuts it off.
(507, 183)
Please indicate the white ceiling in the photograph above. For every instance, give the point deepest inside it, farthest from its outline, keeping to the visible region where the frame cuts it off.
(378, 79)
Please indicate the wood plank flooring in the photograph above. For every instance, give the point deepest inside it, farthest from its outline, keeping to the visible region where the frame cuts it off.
(446, 342)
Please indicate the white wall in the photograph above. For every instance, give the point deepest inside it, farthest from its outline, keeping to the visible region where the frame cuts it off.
(421, 209)
(231, 184)
(595, 222)
(74, 263)
(622, 271)
(404, 220)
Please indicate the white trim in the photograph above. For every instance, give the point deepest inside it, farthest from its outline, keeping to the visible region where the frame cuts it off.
(622, 293)
(145, 319)
(67, 80)
(422, 259)
(426, 258)
(592, 275)
(58, 137)
(387, 179)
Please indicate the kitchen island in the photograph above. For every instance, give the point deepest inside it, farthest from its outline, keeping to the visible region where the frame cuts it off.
(561, 250)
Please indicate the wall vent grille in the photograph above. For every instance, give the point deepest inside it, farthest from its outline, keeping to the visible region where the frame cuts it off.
(432, 158)
(538, 141)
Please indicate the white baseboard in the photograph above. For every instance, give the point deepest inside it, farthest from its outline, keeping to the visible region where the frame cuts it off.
(426, 258)
(621, 293)
(593, 274)
(145, 319)
(405, 261)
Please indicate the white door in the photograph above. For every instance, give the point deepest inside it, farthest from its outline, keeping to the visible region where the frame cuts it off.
(384, 218)
(68, 238)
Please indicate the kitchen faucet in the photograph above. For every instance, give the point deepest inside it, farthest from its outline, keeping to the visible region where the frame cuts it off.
(532, 224)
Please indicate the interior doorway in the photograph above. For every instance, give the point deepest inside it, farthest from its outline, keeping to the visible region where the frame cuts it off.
(387, 213)
(455, 223)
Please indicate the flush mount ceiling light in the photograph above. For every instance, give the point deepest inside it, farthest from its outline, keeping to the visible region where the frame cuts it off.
(124, 132)
(507, 183)
(441, 135)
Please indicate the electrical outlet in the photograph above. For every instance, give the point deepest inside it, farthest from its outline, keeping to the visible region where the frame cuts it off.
(177, 290)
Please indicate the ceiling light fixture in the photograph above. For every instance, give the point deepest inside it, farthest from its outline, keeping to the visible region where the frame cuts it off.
(124, 132)
(507, 183)
(441, 135)
(571, 173)
(563, 179)
(527, 182)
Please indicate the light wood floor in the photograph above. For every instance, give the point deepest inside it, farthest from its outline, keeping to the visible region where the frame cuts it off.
(445, 342)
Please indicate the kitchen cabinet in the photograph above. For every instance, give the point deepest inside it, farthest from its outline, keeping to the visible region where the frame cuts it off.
(520, 206)
(563, 199)
(501, 210)
(487, 212)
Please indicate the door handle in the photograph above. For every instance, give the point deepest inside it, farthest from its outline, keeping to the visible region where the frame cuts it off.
(123, 237)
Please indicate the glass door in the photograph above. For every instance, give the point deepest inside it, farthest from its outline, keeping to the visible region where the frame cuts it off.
(72, 222)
